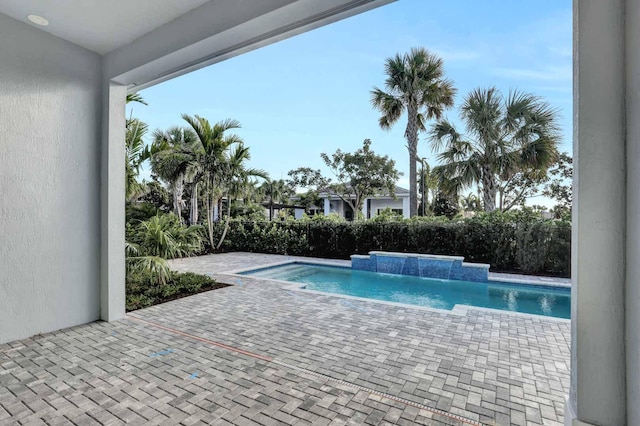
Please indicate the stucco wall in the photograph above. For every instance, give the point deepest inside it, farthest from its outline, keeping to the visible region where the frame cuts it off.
(50, 124)
(383, 203)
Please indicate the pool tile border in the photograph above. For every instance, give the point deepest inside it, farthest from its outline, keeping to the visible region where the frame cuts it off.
(457, 310)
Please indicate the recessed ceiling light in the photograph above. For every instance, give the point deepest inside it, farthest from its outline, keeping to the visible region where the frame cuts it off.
(38, 20)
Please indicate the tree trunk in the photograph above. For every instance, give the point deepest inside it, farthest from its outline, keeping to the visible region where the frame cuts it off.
(209, 206)
(226, 225)
(212, 208)
(488, 189)
(194, 204)
(412, 145)
(178, 203)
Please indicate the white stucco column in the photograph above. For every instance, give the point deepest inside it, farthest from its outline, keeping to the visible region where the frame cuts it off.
(364, 208)
(632, 295)
(598, 371)
(112, 274)
(405, 208)
(327, 207)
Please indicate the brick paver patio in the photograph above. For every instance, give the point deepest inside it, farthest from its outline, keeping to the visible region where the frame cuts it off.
(257, 353)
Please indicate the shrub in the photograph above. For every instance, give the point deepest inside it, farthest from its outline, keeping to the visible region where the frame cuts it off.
(143, 289)
(515, 242)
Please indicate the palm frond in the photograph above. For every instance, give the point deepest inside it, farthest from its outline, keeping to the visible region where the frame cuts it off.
(154, 264)
(136, 97)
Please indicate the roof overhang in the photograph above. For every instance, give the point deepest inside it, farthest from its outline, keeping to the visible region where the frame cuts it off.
(171, 51)
(145, 42)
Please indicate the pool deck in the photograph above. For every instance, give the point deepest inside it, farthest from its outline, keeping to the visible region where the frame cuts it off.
(257, 353)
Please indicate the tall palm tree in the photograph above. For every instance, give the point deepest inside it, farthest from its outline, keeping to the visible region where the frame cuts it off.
(505, 135)
(211, 157)
(234, 178)
(415, 85)
(274, 191)
(429, 183)
(173, 153)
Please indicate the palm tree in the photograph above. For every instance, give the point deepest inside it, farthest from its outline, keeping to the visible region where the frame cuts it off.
(234, 178)
(136, 97)
(429, 183)
(518, 133)
(470, 203)
(135, 154)
(274, 190)
(415, 85)
(211, 156)
(173, 153)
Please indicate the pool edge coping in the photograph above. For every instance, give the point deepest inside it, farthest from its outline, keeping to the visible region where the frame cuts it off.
(457, 310)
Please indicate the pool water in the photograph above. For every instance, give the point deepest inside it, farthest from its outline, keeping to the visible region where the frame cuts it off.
(433, 293)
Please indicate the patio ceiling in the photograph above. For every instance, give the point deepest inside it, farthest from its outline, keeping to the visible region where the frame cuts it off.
(145, 42)
(100, 26)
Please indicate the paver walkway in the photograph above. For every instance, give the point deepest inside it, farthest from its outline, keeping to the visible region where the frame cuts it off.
(257, 353)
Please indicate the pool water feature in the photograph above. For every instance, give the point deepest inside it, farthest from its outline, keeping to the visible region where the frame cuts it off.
(421, 291)
(421, 265)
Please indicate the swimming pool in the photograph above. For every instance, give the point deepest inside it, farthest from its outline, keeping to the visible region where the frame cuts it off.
(429, 292)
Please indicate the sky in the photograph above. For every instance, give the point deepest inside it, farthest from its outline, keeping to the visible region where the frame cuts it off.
(310, 94)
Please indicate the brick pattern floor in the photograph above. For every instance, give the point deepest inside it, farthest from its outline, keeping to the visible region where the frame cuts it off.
(304, 359)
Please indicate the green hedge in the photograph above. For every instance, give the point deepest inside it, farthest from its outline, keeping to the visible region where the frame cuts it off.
(529, 246)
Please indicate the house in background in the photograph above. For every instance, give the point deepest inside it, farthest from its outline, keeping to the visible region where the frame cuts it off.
(371, 207)
(291, 208)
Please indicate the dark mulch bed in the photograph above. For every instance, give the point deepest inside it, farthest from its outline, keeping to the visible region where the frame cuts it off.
(143, 289)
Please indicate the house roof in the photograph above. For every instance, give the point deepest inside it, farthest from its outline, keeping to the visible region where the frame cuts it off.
(399, 192)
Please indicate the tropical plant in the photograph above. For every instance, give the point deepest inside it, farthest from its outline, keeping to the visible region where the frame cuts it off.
(173, 153)
(445, 205)
(415, 85)
(234, 178)
(275, 191)
(135, 154)
(470, 203)
(560, 186)
(505, 136)
(429, 183)
(211, 155)
(161, 237)
(166, 237)
(136, 97)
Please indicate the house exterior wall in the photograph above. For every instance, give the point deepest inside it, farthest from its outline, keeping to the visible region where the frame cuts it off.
(383, 203)
(336, 206)
(50, 115)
